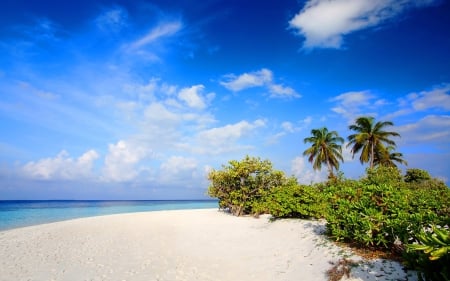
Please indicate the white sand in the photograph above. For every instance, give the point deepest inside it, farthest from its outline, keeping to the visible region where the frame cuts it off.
(174, 245)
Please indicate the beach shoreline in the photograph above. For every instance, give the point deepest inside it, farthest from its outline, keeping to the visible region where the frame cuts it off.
(196, 244)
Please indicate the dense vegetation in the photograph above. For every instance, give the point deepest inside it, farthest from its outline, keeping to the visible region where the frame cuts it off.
(408, 215)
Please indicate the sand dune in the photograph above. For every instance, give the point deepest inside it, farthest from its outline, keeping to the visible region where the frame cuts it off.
(176, 245)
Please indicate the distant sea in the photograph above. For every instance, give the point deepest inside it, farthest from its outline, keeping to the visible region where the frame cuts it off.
(14, 214)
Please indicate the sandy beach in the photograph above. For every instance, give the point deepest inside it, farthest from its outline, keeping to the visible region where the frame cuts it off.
(178, 245)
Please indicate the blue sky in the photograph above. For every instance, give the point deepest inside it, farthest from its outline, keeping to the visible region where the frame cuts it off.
(140, 99)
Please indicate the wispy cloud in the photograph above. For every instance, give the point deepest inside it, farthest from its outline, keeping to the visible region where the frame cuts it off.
(226, 138)
(260, 78)
(324, 23)
(166, 29)
(112, 20)
(179, 169)
(437, 99)
(432, 129)
(351, 104)
(288, 127)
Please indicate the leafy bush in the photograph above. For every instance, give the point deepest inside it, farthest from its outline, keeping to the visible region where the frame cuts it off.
(294, 200)
(431, 255)
(379, 215)
(383, 175)
(242, 185)
(416, 175)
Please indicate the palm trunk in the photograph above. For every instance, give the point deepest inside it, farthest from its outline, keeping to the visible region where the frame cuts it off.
(371, 154)
(330, 170)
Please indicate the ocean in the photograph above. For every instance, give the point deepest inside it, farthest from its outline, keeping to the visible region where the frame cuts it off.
(15, 214)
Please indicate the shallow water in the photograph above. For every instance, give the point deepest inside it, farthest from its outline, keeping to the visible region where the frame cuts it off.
(14, 214)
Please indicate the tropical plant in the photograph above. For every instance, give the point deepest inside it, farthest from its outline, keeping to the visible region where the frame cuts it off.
(386, 156)
(296, 201)
(242, 185)
(369, 138)
(436, 244)
(326, 148)
(383, 175)
(381, 215)
(416, 175)
(433, 254)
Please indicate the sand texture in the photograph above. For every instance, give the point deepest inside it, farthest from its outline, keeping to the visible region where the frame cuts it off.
(177, 245)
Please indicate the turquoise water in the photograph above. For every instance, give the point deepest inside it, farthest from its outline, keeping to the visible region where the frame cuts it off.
(14, 214)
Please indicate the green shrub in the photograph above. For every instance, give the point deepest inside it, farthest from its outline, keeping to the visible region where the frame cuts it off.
(241, 186)
(431, 255)
(416, 175)
(379, 215)
(383, 175)
(295, 201)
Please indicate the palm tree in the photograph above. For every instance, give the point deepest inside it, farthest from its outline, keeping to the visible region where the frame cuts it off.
(386, 156)
(326, 147)
(369, 138)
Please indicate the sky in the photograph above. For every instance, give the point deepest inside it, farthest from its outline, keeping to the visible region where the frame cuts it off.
(105, 99)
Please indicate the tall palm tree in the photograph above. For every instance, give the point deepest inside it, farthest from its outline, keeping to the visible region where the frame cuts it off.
(386, 156)
(370, 137)
(326, 148)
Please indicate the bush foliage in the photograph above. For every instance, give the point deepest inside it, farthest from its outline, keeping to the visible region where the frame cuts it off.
(242, 185)
(416, 175)
(431, 254)
(295, 201)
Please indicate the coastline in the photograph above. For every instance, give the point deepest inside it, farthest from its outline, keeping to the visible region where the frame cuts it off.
(23, 213)
(196, 244)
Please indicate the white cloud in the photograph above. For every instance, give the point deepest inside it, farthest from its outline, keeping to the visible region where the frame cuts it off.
(303, 171)
(158, 113)
(439, 97)
(288, 127)
(62, 167)
(432, 129)
(220, 139)
(122, 159)
(178, 168)
(352, 99)
(248, 80)
(280, 91)
(158, 32)
(193, 98)
(260, 78)
(351, 104)
(323, 23)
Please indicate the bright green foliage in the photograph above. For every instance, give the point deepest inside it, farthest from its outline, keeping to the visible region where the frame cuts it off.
(378, 215)
(325, 149)
(416, 175)
(435, 244)
(296, 201)
(242, 185)
(383, 175)
(433, 257)
(369, 138)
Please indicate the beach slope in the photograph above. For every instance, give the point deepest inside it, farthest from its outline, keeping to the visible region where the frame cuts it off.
(169, 245)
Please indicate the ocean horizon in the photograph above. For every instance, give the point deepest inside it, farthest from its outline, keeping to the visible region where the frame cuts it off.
(23, 213)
